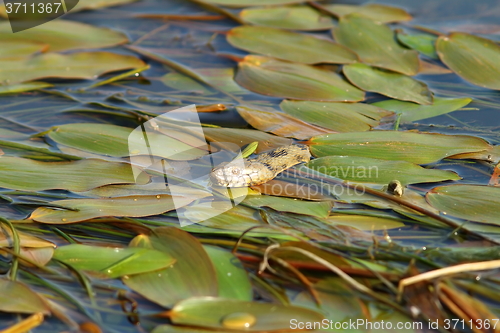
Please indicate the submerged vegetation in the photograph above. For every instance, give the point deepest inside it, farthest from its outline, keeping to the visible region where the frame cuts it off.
(394, 224)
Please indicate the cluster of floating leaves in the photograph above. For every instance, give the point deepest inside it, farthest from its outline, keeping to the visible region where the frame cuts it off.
(307, 252)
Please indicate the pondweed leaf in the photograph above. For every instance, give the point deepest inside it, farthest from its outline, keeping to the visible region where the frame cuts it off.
(290, 46)
(318, 209)
(375, 44)
(293, 17)
(372, 170)
(277, 78)
(22, 87)
(279, 123)
(412, 112)
(423, 43)
(474, 58)
(112, 262)
(29, 175)
(64, 35)
(477, 203)
(375, 12)
(339, 117)
(419, 148)
(84, 65)
(391, 84)
(16, 297)
(21, 48)
(245, 3)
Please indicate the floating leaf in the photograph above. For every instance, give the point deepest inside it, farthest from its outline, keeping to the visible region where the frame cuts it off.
(245, 3)
(64, 35)
(475, 59)
(113, 262)
(84, 65)
(492, 154)
(16, 297)
(193, 274)
(423, 43)
(339, 117)
(372, 170)
(22, 87)
(279, 123)
(112, 140)
(232, 277)
(387, 83)
(362, 222)
(86, 209)
(96, 4)
(290, 46)
(277, 78)
(319, 209)
(29, 175)
(477, 203)
(25, 240)
(375, 44)
(295, 17)
(375, 12)
(419, 148)
(215, 313)
(20, 48)
(412, 112)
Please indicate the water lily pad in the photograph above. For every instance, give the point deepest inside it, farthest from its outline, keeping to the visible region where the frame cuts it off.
(277, 78)
(388, 83)
(193, 274)
(372, 170)
(423, 43)
(419, 148)
(86, 209)
(375, 44)
(279, 123)
(16, 297)
(319, 209)
(291, 46)
(474, 58)
(215, 313)
(413, 112)
(113, 262)
(112, 140)
(84, 65)
(29, 175)
(375, 12)
(294, 17)
(64, 35)
(339, 117)
(232, 277)
(471, 202)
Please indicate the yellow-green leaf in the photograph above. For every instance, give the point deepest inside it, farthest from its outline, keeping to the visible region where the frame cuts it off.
(375, 12)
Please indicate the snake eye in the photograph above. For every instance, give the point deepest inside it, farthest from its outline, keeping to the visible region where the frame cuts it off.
(235, 172)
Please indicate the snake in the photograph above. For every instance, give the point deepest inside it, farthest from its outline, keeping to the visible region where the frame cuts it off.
(261, 168)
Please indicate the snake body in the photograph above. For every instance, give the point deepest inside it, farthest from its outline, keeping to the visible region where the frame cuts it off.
(260, 169)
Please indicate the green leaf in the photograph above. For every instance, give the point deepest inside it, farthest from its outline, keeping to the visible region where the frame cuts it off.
(375, 12)
(412, 112)
(363, 222)
(113, 262)
(291, 46)
(22, 87)
(84, 65)
(86, 209)
(477, 203)
(220, 314)
(339, 117)
(193, 274)
(96, 4)
(16, 297)
(419, 148)
(232, 277)
(375, 44)
(279, 123)
(294, 17)
(277, 78)
(423, 43)
(319, 209)
(29, 175)
(387, 83)
(475, 59)
(112, 140)
(64, 35)
(372, 170)
(245, 3)
(20, 48)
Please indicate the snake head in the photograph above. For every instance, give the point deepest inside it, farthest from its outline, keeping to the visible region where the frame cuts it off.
(229, 175)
